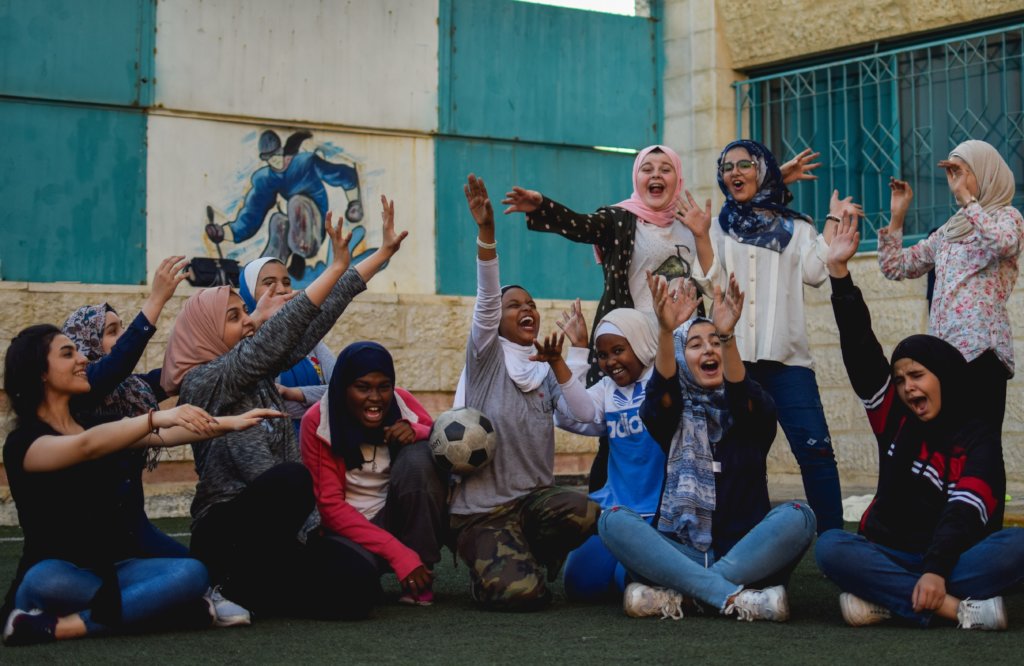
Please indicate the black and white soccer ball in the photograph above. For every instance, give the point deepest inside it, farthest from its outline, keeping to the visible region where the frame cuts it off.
(462, 440)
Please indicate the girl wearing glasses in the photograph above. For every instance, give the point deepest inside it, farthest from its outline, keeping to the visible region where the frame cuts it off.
(773, 251)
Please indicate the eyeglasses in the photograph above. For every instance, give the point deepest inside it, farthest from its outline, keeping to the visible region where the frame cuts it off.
(742, 165)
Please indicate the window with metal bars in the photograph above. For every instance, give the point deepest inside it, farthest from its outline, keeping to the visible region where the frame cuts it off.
(893, 113)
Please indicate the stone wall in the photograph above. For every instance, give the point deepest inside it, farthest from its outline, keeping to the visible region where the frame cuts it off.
(773, 31)
(427, 336)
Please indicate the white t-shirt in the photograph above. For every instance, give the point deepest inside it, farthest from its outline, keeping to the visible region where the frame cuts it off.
(651, 247)
(366, 487)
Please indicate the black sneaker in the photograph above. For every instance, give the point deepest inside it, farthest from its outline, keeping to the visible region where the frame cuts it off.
(29, 627)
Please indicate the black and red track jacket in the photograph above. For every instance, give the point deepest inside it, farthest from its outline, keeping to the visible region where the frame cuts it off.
(936, 498)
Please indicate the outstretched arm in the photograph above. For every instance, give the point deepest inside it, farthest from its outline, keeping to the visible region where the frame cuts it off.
(171, 427)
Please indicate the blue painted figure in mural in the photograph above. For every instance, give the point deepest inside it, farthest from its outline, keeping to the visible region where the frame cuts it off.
(300, 178)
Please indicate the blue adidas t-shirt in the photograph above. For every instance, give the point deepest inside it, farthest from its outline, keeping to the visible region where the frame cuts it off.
(636, 463)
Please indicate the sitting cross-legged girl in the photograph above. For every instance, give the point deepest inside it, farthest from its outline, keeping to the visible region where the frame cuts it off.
(930, 548)
(254, 518)
(625, 341)
(508, 518)
(376, 484)
(86, 568)
(715, 538)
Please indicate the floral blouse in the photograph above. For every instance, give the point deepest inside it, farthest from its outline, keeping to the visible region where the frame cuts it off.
(974, 278)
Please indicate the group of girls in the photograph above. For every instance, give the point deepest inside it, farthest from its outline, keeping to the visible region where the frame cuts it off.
(315, 479)
(686, 423)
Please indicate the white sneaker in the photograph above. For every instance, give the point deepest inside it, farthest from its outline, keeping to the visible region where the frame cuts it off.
(642, 600)
(767, 604)
(226, 613)
(984, 614)
(860, 613)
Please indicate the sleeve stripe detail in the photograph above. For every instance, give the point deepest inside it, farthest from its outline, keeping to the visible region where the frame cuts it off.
(972, 500)
(874, 401)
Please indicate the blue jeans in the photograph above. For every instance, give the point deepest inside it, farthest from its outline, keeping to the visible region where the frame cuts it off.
(773, 545)
(795, 391)
(150, 587)
(887, 576)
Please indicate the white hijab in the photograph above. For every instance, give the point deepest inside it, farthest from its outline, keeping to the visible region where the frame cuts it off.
(528, 375)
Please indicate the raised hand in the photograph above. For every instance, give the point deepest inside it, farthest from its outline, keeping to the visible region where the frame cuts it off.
(549, 350)
(392, 241)
(840, 207)
(843, 246)
(574, 325)
(268, 305)
(478, 201)
(401, 433)
(672, 306)
(339, 243)
(800, 167)
(899, 202)
(956, 176)
(728, 306)
(692, 216)
(247, 419)
(522, 201)
(167, 277)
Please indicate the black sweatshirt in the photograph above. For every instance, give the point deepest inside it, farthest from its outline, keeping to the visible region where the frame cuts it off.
(939, 497)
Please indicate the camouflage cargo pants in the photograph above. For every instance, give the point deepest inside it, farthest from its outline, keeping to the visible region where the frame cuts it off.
(506, 547)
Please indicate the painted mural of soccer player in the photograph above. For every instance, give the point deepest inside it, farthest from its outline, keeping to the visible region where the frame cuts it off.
(296, 234)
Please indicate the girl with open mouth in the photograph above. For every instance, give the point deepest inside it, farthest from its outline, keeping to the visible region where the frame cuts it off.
(930, 549)
(715, 544)
(774, 251)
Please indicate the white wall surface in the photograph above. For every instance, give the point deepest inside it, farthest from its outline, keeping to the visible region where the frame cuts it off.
(195, 163)
(360, 63)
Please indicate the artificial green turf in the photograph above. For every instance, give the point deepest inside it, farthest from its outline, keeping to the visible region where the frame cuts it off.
(454, 631)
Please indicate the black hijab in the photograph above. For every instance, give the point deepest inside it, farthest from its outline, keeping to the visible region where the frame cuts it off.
(945, 362)
(347, 433)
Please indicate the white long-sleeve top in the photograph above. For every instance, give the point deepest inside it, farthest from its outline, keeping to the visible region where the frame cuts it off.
(524, 457)
(773, 325)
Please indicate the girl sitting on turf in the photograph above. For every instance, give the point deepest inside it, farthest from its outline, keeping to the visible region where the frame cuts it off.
(86, 568)
(626, 341)
(113, 351)
(374, 477)
(930, 544)
(508, 518)
(254, 519)
(715, 537)
(303, 384)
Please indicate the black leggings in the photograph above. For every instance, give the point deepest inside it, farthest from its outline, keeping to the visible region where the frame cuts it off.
(987, 378)
(250, 546)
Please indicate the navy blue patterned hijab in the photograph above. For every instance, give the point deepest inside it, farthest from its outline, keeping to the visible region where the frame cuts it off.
(765, 220)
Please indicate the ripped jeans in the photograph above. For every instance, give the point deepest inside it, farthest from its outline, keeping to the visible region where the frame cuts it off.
(795, 391)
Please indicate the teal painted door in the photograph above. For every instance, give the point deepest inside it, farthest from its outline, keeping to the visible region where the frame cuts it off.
(516, 70)
(73, 182)
(548, 265)
(526, 93)
(97, 51)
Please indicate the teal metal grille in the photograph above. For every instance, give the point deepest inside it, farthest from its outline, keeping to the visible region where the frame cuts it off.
(893, 113)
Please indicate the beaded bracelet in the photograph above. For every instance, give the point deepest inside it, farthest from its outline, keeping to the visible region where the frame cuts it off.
(486, 246)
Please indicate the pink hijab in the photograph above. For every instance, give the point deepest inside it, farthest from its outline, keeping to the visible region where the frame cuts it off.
(634, 204)
(197, 336)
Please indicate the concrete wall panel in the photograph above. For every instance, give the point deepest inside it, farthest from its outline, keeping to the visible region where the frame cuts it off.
(362, 63)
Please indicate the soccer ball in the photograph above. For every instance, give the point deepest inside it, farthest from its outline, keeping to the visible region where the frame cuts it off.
(462, 440)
